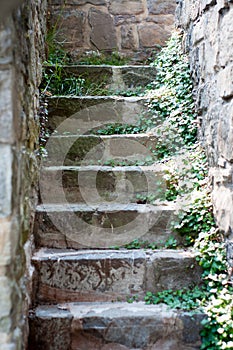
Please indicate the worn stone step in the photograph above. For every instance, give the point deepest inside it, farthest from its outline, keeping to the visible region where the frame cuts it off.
(97, 184)
(93, 149)
(85, 113)
(110, 77)
(113, 326)
(101, 275)
(101, 226)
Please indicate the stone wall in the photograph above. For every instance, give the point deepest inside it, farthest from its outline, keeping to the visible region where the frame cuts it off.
(209, 39)
(21, 49)
(128, 26)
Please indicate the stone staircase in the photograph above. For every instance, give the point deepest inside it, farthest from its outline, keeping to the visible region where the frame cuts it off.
(88, 210)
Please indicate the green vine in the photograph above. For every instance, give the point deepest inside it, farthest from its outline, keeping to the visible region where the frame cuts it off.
(188, 184)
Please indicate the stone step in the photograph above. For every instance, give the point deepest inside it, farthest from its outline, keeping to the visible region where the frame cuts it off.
(85, 113)
(110, 275)
(113, 326)
(101, 226)
(93, 149)
(111, 77)
(97, 184)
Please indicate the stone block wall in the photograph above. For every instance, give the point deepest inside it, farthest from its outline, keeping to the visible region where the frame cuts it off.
(21, 51)
(133, 27)
(209, 39)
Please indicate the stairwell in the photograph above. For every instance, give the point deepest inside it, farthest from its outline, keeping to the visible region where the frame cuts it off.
(84, 277)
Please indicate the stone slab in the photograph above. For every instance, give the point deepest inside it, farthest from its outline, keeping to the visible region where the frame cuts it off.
(94, 150)
(6, 106)
(6, 160)
(126, 7)
(104, 274)
(82, 114)
(152, 35)
(101, 226)
(101, 275)
(78, 2)
(161, 7)
(225, 83)
(103, 31)
(118, 77)
(114, 326)
(96, 184)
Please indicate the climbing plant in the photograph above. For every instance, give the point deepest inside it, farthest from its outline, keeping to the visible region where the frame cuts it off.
(189, 183)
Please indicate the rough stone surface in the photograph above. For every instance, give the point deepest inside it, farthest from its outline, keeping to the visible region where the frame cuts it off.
(152, 35)
(96, 184)
(88, 25)
(129, 37)
(89, 150)
(101, 226)
(103, 35)
(161, 7)
(209, 40)
(112, 77)
(80, 115)
(126, 7)
(115, 326)
(91, 275)
(72, 25)
(21, 55)
(5, 180)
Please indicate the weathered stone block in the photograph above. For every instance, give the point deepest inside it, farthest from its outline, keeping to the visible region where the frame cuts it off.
(6, 106)
(163, 20)
(129, 37)
(159, 7)
(87, 112)
(78, 2)
(151, 35)
(6, 47)
(223, 199)
(114, 326)
(71, 27)
(172, 270)
(5, 304)
(5, 180)
(103, 34)
(93, 273)
(225, 82)
(5, 242)
(225, 38)
(52, 333)
(97, 184)
(80, 225)
(126, 7)
(124, 19)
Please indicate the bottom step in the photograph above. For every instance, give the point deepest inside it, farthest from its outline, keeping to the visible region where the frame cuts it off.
(113, 326)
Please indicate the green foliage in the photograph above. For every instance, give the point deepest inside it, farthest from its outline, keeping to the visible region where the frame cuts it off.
(170, 243)
(57, 82)
(195, 217)
(213, 297)
(148, 160)
(137, 244)
(117, 129)
(185, 299)
(137, 91)
(171, 100)
(147, 199)
(217, 332)
(102, 58)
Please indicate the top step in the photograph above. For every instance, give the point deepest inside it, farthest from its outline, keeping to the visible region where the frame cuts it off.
(113, 77)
